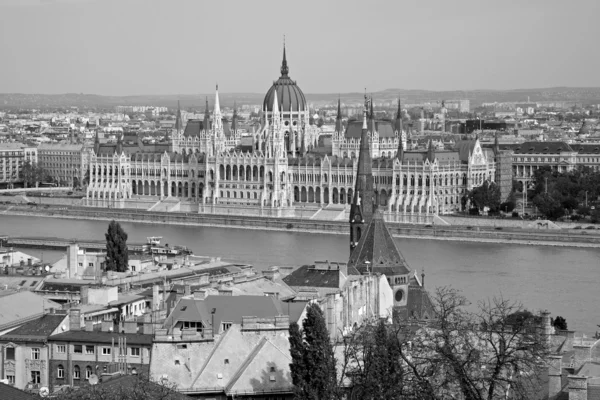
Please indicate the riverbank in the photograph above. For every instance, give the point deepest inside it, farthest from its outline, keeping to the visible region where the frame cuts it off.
(445, 233)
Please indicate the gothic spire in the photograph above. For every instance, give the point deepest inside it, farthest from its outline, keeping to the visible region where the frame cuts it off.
(398, 124)
(234, 118)
(119, 149)
(206, 123)
(284, 66)
(362, 208)
(96, 143)
(338, 120)
(431, 151)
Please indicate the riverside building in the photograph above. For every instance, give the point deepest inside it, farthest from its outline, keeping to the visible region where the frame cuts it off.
(213, 167)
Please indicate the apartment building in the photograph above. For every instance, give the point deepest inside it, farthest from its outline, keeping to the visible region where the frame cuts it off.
(12, 158)
(66, 163)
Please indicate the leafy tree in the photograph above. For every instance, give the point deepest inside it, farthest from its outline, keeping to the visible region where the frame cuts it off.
(560, 323)
(548, 205)
(486, 195)
(32, 173)
(313, 367)
(117, 258)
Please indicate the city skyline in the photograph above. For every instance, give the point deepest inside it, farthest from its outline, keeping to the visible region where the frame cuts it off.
(124, 48)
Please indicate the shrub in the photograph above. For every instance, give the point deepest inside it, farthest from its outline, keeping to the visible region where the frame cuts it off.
(515, 214)
(507, 206)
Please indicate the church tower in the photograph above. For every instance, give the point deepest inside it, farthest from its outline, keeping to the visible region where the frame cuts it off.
(362, 208)
(400, 133)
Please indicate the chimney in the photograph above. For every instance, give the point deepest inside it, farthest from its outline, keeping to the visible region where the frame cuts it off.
(107, 326)
(272, 273)
(89, 326)
(155, 298)
(75, 319)
(29, 262)
(84, 294)
(187, 290)
(199, 295)
(578, 387)
(554, 375)
(582, 354)
(52, 310)
(148, 328)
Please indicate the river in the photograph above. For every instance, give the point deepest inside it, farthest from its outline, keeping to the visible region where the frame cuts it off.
(564, 280)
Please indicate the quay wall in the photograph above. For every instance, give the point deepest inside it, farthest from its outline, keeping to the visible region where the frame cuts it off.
(489, 233)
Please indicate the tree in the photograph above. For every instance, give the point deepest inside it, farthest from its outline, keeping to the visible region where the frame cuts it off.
(507, 206)
(486, 195)
(32, 173)
(116, 248)
(313, 367)
(373, 362)
(548, 205)
(493, 352)
(560, 323)
(129, 387)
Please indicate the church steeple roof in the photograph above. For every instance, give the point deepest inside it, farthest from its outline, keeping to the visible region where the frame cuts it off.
(119, 149)
(206, 124)
(284, 67)
(338, 119)
(234, 118)
(96, 143)
(377, 251)
(398, 122)
(431, 151)
(362, 207)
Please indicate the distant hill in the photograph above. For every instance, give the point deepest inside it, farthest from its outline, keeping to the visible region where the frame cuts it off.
(24, 101)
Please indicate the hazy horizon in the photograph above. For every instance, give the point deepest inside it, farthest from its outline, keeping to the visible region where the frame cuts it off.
(185, 47)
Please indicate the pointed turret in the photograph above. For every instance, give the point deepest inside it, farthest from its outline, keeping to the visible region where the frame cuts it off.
(178, 122)
(398, 122)
(377, 251)
(339, 127)
(119, 149)
(234, 119)
(206, 122)
(284, 66)
(400, 153)
(96, 143)
(431, 151)
(362, 208)
(217, 116)
(275, 104)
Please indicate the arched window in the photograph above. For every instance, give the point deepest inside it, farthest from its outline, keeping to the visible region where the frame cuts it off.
(60, 371)
(76, 372)
(88, 372)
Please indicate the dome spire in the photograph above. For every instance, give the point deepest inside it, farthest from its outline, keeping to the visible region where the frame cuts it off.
(284, 66)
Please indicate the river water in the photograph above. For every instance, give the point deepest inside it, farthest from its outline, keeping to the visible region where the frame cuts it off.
(564, 280)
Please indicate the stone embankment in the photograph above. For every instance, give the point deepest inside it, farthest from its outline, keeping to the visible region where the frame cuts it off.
(472, 232)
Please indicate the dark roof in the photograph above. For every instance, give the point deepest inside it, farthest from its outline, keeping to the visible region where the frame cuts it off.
(8, 392)
(377, 247)
(586, 148)
(62, 287)
(465, 149)
(309, 276)
(541, 148)
(227, 309)
(100, 337)
(38, 329)
(194, 127)
(384, 128)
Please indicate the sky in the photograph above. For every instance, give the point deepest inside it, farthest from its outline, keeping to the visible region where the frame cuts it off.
(139, 47)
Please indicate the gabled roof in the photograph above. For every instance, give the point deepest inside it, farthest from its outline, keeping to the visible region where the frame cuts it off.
(269, 362)
(37, 330)
(8, 392)
(465, 149)
(377, 252)
(30, 305)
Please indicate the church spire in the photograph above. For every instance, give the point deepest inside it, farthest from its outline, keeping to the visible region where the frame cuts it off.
(178, 122)
(284, 66)
(234, 118)
(338, 120)
(398, 129)
(431, 151)
(217, 117)
(362, 208)
(96, 143)
(119, 149)
(206, 122)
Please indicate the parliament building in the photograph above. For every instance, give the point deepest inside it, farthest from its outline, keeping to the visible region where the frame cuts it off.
(212, 167)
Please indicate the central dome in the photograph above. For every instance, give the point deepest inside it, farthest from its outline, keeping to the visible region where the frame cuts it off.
(289, 94)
